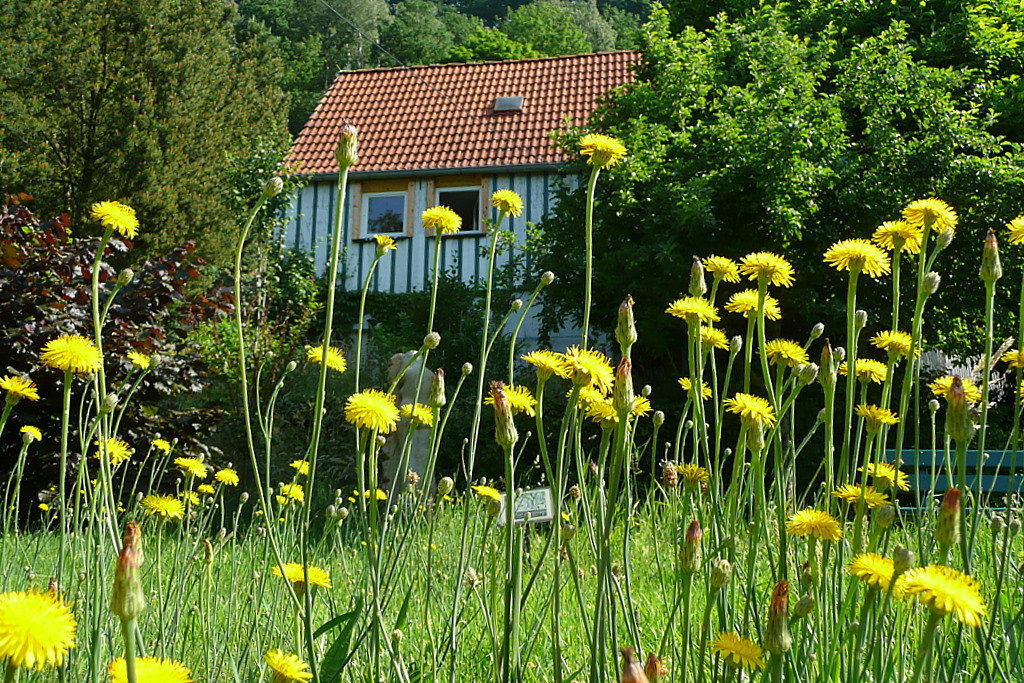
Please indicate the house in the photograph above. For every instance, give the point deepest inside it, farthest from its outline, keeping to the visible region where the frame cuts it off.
(446, 134)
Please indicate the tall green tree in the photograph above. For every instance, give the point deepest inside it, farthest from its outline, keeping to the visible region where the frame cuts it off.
(490, 44)
(140, 100)
(775, 130)
(548, 27)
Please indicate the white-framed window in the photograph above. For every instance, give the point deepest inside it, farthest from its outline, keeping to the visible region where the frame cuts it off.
(384, 213)
(465, 201)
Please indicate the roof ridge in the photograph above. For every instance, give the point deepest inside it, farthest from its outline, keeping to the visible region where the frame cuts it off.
(413, 67)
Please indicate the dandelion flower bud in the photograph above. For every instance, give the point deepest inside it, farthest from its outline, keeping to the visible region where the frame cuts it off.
(244, 497)
(504, 426)
(821, 415)
(437, 398)
(944, 238)
(472, 577)
(381, 440)
(1014, 525)
(493, 508)
(884, 516)
(574, 492)
(291, 366)
(546, 278)
(445, 486)
(208, 552)
(947, 528)
(625, 327)
(829, 366)
(736, 344)
(840, 354)
(670, 475)
(959, 423)
(817, 330)
(109, 404)
(654, 668)
(128, 599)
(804, 606)
(467, 368)
(902, 561)
(273, 187)
(645, 390)
(991, 269)
(698, 285)
(776, 638)
(331, 512)
(997, 524)
(721, 570)
(517, 304)
(860, 319)
(931, 282)
(631, 670)
(125, 277)
(622, 392)
(342, 512)
(432, 340)
(933, 405)
(347, 152)
(396, 636)
(568, 531)
(691, 558)
(807, 373)
(658, 418)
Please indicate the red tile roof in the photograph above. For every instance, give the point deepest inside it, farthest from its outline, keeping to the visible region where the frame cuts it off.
(441, 116)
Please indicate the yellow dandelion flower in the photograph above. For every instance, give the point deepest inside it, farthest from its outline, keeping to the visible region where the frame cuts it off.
(1014, 358)
(117, 451)
(72, 353)
(488, 492)
(508, 202)
(116, 216)
(899, 236)
(876, 571)
(895, 343)
(293, 492)
(751, 409)
(815, 523)
(206, 489)
(590, 363)
(378, 494)
(786, 351)
(589, 395)
(18, 388)
(601, 150)
(293, 571)
(946, 591)
(1016, 228)
(163, 506)
(385, 243)
(372, 409)
(876, 416)
(520, 398)
(602, 411)
(935, 212)
(770, 267)
(36, 629)
(705, 390)
(852, 495)
(419, 413)
(151, 670)
(228, 477)
(868, 370)
(745, 302)
(442, 219)
(162, 445)
(193, 466)
(943, 387)
(885, 475)
(335, 357)
(693, 309)
(189, 497)
(286, 667)
(713, 338)
(737, 651)
(693, 474)
(548, 363)
(301, 467)
(722, 268)
(33, 432)
(858, 255)
(140, 360)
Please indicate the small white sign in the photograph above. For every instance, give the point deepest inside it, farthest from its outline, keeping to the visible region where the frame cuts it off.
(532, 505)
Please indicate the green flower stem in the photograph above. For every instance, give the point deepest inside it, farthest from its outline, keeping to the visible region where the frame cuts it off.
(748, 350)
(851, 374)
(362, 311)
(980, 499)
(762, 291)
(927, 641)
(589, 262)
(8, 407)
(128, 635)
(11, 672)
(515, 336)
(897, 253)
(63, 472)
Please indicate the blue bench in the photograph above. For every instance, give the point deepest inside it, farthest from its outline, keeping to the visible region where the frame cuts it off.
(929, 474)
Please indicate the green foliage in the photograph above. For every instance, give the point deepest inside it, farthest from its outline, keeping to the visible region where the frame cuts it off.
(757, 135)
(143, 101)
(547, 26)
(417, 34)
(490, 44)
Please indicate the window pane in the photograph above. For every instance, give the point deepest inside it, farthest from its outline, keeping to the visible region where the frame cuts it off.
(466, 203)
(385, 214)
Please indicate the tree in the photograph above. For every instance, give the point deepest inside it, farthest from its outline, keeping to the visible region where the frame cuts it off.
(754, 135)
(417, 34)
(140, 100)
(548, 27)
(599, 31)
(490, 44)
